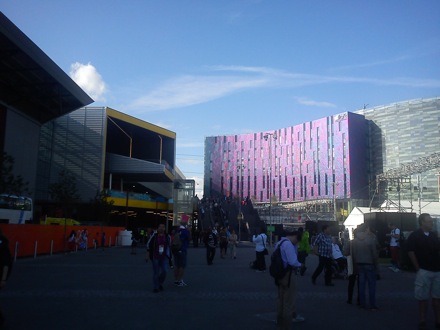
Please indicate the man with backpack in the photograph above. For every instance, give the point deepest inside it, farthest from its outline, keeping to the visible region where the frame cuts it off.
(285, 278)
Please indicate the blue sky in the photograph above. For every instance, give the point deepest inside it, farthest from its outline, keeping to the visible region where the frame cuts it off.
(204, 68)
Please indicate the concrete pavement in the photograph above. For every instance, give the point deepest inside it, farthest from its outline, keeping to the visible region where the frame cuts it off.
(112, 289)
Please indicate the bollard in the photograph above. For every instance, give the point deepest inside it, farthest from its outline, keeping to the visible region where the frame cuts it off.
(51, 247)
(16, 251)
(35, 249)
(94, 244)
(110, 242)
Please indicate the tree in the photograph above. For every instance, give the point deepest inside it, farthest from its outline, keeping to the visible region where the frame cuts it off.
(10, 183)
(102, 206)
(64, 192)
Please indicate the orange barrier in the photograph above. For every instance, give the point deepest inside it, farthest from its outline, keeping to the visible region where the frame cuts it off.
(41, 239)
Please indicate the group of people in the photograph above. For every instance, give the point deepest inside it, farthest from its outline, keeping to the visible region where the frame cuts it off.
(225, 239)
(362, 253)
(161, 248)
(78, 240)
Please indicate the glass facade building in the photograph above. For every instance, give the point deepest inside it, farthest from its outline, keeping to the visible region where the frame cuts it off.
(321, 159)
(337, 157)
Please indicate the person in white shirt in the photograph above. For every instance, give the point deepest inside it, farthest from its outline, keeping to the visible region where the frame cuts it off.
(260, 241)
(394, 236)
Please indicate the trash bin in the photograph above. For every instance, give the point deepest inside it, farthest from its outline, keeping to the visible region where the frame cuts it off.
(124, 238)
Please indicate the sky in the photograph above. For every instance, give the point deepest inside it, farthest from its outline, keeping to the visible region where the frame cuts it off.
(223, 67)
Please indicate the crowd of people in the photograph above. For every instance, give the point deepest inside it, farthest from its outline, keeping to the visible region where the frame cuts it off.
(358, 256)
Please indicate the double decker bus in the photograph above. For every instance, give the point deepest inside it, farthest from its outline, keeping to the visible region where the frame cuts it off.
(15, 209)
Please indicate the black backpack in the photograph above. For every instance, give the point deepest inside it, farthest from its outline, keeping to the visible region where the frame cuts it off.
(276, 268)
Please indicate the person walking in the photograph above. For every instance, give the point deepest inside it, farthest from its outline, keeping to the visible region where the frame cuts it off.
(158, 251)
(287, 286)
(352, 272)
(303, 249)
(180, 256)
(365, 254)
(260, 241)
(211, 245)
(394, 236)
(424, 252)
(232, 244)
(323, 248)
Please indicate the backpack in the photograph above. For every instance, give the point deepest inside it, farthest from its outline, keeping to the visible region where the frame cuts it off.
(276, 268)
(176, 245)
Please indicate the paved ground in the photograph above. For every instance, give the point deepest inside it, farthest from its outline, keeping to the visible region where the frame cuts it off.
(112, 289)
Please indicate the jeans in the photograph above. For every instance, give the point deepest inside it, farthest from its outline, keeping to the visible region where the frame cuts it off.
(160, 269)
(326, 265)
(210, 253)
(367, 274)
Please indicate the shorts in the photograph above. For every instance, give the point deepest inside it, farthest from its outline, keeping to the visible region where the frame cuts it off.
(427, 285)
(180, 259)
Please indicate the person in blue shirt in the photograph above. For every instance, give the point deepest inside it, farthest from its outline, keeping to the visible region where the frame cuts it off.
(287, 287)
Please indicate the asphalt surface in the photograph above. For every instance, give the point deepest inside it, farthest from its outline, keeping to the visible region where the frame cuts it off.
(112, 289)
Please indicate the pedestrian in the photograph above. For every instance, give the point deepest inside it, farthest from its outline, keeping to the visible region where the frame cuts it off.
(232, 244)
(424, 252)
(366, 255)
(71, 241)
(352, 272)
(103, 240)
(211, 245)
(394, 236)
(158, 251)
(223, 242)
(180, 256)
(303, 249)
(287, 286)
(260, 241)
(322, 247)
(5, 266)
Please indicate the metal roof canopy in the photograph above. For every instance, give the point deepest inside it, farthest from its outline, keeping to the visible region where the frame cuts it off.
(420, 165)
(30, 81)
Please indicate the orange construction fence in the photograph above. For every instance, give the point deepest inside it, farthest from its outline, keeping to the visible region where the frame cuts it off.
(31, 240)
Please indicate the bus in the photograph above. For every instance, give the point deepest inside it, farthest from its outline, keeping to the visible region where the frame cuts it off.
(15, 209)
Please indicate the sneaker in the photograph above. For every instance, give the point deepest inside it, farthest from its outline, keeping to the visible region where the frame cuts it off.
(396, 270)
(181, 283)
(298, 318)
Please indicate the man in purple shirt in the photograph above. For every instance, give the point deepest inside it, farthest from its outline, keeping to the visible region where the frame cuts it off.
(287, 289)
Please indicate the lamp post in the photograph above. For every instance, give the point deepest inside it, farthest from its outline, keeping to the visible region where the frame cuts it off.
(270, 136)
(241, 167)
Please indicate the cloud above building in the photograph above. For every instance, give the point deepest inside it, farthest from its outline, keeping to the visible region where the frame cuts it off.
(221, 81)
(87, 77)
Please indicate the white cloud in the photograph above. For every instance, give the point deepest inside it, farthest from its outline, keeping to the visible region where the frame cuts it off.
(190, 90)
(313, 103)
(87, 77)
